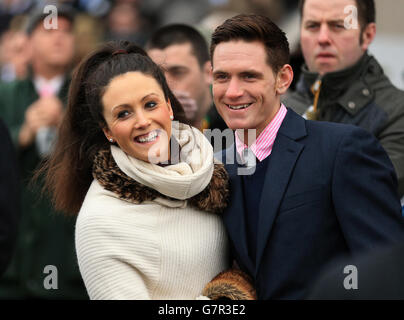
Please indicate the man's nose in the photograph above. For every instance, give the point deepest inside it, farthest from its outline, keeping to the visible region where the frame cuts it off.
(234, 90)
(324, 35)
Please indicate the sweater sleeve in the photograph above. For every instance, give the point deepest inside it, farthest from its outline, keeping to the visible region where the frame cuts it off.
(112, 261)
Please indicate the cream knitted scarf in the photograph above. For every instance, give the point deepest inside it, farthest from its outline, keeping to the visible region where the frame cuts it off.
(195, 179)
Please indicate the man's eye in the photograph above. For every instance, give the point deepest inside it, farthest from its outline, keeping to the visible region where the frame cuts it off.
(220, 77)
(123, 114)
(338, 26)
(311, 26)
(177, 73)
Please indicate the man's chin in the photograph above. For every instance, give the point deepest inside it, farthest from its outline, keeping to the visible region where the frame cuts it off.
(326, 68)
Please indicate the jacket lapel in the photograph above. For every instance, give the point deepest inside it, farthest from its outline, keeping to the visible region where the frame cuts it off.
(234, 216)
(284, 156)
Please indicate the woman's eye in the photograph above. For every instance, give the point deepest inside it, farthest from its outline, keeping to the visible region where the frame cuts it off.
(123, 114)
(151, 104)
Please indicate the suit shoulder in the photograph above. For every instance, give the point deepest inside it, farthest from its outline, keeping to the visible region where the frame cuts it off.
(332, 133)
(333, 127)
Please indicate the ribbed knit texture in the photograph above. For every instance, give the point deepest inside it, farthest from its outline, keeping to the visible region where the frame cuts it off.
(155, 250)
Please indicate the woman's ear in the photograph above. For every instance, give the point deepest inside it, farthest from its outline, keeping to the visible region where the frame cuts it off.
(284, 78)
(107, 133)
(170, 110)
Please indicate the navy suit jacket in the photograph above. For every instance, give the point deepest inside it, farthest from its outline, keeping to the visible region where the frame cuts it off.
(329, 190)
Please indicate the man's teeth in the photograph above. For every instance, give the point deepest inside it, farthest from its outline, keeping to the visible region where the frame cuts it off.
(238, 107)
(148, 138)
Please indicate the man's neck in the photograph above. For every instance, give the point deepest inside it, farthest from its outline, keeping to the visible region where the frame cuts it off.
(251, 135)
(341, 74)
(47, 72)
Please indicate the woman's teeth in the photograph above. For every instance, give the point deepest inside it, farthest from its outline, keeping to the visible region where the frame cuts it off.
(151, 136)
(238, 107)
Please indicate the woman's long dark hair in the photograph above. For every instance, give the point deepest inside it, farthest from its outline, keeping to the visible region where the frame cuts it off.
(68, 169)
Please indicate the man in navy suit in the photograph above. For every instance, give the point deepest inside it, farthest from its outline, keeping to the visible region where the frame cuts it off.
(318, 190)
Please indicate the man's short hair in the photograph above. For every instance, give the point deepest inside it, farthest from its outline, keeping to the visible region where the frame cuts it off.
(179, 34)
(252, 27)
(366, 11)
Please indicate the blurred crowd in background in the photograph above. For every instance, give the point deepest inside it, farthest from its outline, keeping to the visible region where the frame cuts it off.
(134, 20)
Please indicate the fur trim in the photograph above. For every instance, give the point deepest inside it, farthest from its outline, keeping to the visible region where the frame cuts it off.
(214, 198)
(231, 284)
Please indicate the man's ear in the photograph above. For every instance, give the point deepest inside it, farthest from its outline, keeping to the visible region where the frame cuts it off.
(284, 79)
(207, 71)
(368, 34)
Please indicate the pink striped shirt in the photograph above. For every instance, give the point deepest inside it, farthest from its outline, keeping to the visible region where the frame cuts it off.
(262, 147)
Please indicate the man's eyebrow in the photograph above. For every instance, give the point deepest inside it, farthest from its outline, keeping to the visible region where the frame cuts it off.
(335, 21)
(219, 72)
(311, 21)
(176, 67)
(328, 21)
(254, 72)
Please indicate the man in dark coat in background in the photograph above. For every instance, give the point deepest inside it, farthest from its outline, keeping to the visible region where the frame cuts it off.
(9, 198)
(341, 82)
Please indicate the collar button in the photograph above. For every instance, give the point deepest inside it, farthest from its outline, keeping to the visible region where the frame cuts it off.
(366, 92)
(351, 105)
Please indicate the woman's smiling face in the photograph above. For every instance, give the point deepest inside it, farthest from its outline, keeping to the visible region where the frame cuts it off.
(138, 116)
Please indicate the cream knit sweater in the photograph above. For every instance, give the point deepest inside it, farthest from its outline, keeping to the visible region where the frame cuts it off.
(161, 249)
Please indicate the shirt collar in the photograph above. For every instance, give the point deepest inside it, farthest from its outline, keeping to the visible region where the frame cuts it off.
(46, 87)
(262, 146)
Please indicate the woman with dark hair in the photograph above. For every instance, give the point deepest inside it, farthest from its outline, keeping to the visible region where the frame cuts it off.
(146, 189)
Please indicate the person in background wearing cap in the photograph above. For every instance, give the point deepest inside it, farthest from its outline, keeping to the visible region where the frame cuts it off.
(341, 82)
(44, 265)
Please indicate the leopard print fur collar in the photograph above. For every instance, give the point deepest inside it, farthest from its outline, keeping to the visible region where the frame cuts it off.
(214, 198)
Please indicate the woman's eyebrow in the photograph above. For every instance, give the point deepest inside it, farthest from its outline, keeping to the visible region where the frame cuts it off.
(126, 104)
(148, 95)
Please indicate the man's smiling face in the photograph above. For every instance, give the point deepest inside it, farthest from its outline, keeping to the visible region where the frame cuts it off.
(244, 85)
